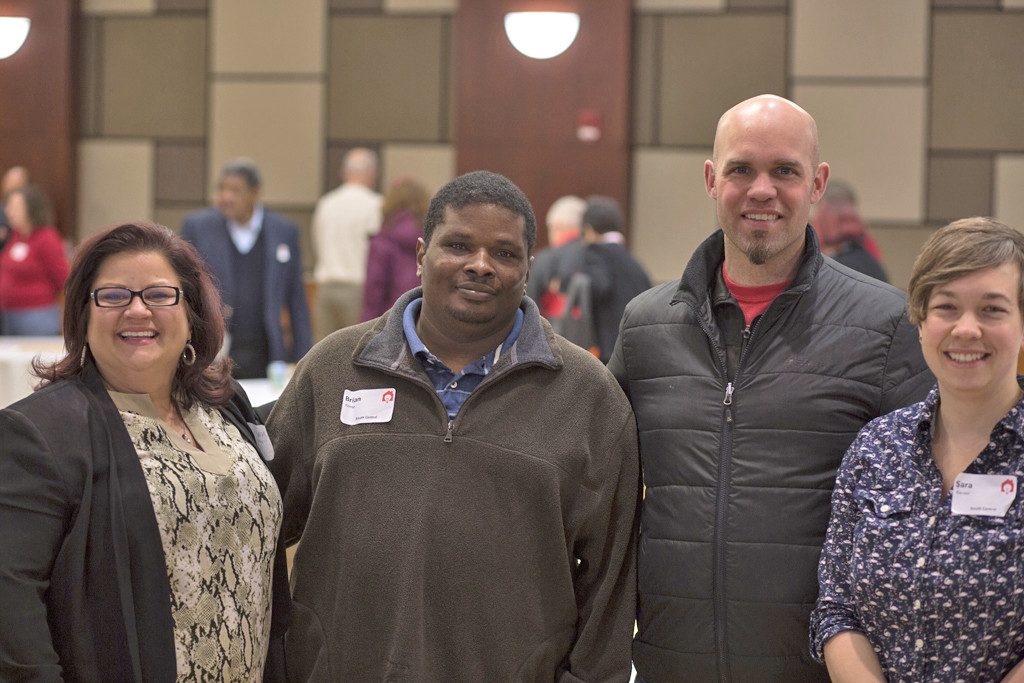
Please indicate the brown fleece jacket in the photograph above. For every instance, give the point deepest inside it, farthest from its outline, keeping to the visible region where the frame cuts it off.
(498, 548)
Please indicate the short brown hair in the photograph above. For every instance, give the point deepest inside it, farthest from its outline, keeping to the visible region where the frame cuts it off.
(206, 381)
(963, 247)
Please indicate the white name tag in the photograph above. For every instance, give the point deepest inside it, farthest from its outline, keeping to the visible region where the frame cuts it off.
(367, 405)
(988, 495)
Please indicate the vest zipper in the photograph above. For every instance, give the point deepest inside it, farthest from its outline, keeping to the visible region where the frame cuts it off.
(448, 436)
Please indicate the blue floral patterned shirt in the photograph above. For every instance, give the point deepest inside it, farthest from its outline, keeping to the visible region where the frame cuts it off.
(939, 596)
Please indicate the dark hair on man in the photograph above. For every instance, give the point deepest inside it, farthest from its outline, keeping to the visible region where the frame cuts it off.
(246, 169)
(603, 214)
(37, 206)
(206, 381)
(481, 187)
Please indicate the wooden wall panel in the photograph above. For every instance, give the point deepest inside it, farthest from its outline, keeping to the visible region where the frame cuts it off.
(518, 116)
(37, 114)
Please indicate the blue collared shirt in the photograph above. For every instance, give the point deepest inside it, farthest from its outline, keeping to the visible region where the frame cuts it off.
(453, 388)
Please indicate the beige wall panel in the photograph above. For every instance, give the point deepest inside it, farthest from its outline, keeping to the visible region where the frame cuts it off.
(268, 36)
(115, 183)
(782, 5)
(671, 214)
(173, 216)
(900, 245)
(977, 82)
(413, 6)
(867, 38)
(680, 5)
(180, 172)
(367, 103)
(97, 7)
(1009, 199)
(154, 92)
(90, 51)
(874, 138)
(431, 165)
(348, 5)
(645, 57)
(1013, 4)
(175, 5)
(700, 79)
(280, 126)
(959, 187)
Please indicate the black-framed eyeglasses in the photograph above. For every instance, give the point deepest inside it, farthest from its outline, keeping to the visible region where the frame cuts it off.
(117, 297)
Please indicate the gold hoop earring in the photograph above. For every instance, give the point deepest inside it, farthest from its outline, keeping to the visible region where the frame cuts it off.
(81, 360)
(188, 356)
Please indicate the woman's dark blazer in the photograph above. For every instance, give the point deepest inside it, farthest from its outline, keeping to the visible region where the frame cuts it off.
(84, 593)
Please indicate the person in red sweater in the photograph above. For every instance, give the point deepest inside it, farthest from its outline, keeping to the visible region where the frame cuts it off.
(33, 266)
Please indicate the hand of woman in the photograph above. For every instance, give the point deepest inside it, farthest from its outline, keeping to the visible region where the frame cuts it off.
(1016, 674)
(851, 659)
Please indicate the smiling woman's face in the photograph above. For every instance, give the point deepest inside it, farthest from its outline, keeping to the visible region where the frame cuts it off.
(973, 332)
(137, 347)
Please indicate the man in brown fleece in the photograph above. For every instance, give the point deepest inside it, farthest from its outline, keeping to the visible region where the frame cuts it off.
(464, 482)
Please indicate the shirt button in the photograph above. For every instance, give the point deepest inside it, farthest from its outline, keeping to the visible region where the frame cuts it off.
(454, 384)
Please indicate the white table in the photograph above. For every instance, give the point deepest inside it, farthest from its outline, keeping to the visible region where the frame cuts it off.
(17, 382)
(259, 391)
(16, 356)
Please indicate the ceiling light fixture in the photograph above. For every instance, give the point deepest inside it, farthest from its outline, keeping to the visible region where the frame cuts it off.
(542, 35)
(13, 31)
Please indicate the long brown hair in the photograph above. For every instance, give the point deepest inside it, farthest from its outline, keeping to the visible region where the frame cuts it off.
(206, 381)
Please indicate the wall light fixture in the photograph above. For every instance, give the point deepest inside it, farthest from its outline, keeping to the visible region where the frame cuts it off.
(13, 31)
(542, 35)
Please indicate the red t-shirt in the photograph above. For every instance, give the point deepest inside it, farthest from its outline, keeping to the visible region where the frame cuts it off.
(33, 270)
(753, 300)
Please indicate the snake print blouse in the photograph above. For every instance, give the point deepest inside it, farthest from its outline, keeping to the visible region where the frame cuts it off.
(219, 513)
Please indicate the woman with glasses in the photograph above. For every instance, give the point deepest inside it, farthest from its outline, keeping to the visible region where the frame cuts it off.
(138, 514)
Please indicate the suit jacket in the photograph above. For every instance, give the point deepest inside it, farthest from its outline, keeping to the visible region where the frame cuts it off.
(84, 593)
(207, 229)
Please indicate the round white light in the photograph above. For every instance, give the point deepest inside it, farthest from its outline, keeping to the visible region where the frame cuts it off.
(13, 31)
(542, 35)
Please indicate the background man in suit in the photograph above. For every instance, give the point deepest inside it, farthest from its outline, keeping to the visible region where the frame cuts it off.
(254, 255)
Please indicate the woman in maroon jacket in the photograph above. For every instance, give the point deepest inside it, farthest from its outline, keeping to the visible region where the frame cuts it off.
(391, 262)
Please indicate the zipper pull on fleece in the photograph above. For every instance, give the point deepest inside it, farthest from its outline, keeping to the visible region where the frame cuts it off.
(448, 436)
(728, 395)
